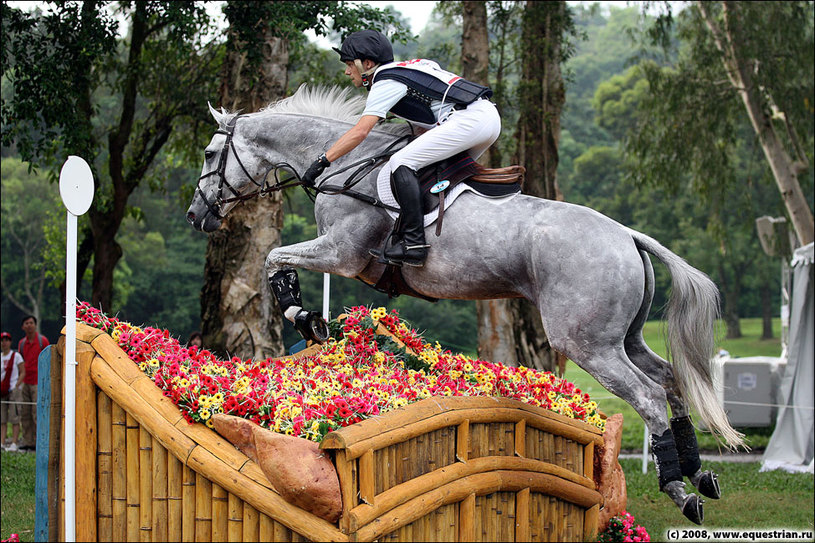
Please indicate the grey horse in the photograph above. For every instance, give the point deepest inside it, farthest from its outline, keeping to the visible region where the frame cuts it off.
(590, 277)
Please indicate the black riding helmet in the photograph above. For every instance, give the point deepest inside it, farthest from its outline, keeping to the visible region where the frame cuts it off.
(366, 44)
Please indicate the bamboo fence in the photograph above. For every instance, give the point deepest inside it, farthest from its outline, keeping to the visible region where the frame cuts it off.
(442, 469)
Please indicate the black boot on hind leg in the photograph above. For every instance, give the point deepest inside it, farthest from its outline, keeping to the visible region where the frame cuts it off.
(666, 460)
(706, 482)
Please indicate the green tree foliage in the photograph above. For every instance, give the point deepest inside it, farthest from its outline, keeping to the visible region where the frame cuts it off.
(30, 204)
(76, 87)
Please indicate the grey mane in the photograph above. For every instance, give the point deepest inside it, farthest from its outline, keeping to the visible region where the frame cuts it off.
(320, 101)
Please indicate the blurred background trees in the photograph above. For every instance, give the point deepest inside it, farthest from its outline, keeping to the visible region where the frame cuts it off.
(652, 132)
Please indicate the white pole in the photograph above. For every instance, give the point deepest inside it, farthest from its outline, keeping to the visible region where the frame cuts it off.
(70, 380)
(645, 450)
(326, 294)
(76, 189)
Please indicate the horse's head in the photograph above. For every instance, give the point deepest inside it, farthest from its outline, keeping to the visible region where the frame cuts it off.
(228, 175)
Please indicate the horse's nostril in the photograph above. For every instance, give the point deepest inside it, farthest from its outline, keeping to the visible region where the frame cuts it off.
(190, 217)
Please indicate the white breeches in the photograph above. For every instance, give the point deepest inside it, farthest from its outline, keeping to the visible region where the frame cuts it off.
(473, 130)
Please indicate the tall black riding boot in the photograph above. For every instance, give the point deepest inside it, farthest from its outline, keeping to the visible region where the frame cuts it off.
(409, 248)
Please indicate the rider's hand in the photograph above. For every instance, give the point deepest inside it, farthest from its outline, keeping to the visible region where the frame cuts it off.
(314, 171)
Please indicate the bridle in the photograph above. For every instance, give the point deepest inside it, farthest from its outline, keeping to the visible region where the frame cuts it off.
(286, 176)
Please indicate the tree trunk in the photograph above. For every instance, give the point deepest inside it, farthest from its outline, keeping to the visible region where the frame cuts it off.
(542, 95)
(731, 288)
(239, 314)
(766, 311)
(785, 170)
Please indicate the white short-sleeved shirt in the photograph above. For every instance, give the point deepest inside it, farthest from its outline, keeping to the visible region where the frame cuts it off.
(15, 372)
(386, 93)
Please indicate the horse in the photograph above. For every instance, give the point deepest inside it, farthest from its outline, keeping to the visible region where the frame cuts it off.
(590, 277)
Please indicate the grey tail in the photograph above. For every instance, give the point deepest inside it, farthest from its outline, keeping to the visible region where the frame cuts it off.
(692, 310)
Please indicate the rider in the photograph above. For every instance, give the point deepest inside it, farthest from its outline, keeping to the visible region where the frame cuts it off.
(455, 113)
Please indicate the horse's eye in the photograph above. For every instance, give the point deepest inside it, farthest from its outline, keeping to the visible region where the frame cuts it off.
(209, 154)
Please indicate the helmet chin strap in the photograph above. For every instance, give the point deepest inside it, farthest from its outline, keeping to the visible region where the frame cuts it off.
(366, 75)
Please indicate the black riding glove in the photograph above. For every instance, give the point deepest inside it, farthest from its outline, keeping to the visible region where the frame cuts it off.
(314, 171)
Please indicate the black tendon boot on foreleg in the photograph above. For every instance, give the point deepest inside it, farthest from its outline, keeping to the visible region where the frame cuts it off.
(666, 460)
(706, 482)
(409, 246)
(286, 288)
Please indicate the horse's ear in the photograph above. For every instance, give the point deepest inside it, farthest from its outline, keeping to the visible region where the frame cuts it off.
(215, 113)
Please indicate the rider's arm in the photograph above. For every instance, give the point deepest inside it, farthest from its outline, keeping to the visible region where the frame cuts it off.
(352, 138)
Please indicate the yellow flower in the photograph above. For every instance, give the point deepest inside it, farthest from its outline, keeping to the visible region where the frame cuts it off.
(204, 414)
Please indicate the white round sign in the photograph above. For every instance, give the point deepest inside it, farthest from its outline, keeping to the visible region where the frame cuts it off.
(76, 185)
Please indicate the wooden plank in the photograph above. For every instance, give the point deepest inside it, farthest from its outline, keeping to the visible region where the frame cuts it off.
(160, 509)
(588, 460)
(522, 515)
(41, 476)
(55, 441)
(104, 464)
(85, 446)
(347, 490)
(590, 523)
(266, 529)
(366, 478)
(463, 440)
(466, 518)
(520, 438)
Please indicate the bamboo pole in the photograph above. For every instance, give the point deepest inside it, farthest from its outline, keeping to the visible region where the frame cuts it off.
(220, 514)
(235, 528)
(160, 494)
(133, 504)
(203, 508)
(119, 476)
(431, 408)
(251, 523)
(85, 437)
(389, 499)
(145, 485)
(188, 505)
(104, 464)
(266, 529)
(175, 492)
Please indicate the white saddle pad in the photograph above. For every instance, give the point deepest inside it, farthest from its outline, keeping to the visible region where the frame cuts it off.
(383, 188)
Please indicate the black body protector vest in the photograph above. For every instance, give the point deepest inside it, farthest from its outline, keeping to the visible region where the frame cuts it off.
(426, 82)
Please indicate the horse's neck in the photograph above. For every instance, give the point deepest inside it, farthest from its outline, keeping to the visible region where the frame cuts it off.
(305, 137)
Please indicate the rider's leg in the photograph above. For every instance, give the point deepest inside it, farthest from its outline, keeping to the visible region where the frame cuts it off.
(409, 247)
(472, 129)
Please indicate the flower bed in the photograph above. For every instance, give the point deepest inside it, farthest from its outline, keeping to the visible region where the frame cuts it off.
(357, 374)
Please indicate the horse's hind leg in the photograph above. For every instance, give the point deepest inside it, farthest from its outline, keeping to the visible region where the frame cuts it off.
(622, 378)
(661, 372)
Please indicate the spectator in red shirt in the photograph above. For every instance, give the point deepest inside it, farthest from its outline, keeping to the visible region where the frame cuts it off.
(30, 347)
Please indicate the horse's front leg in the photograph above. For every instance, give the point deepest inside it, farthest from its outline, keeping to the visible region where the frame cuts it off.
(321, 255)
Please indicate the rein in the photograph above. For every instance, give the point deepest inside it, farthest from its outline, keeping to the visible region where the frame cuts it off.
(286, 176)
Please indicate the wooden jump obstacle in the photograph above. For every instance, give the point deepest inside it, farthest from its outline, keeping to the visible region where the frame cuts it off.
(442, 469)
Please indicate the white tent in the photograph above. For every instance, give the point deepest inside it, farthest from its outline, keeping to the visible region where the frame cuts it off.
(792, 445)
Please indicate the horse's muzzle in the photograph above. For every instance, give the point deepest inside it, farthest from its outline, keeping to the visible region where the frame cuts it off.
(207, 223)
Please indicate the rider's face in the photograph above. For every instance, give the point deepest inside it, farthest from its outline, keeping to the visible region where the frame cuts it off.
(353, 72)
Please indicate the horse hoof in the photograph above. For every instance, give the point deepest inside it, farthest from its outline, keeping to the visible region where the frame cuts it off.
(311, 326)
(693, 510)
(707, 483)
